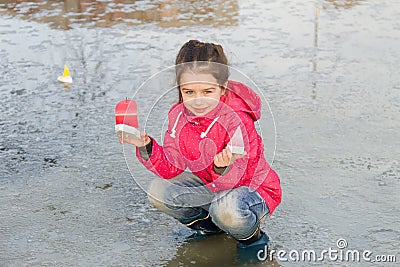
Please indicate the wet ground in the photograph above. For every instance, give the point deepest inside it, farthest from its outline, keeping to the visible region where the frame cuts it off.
(329, 70)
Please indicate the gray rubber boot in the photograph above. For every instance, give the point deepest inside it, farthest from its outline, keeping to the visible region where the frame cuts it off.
(258, 239)
(254, 249)
(202, 224)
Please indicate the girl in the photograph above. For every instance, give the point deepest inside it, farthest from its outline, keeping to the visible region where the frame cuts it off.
(214, 117)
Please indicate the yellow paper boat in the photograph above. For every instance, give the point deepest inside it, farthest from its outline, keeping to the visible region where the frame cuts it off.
(66, 77)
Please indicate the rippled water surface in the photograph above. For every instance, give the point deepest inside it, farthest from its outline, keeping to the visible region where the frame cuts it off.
(329, 70)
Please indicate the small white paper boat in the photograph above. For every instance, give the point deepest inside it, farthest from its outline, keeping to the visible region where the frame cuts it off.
(236, 144)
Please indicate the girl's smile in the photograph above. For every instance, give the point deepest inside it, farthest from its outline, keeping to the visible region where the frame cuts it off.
(200, 92)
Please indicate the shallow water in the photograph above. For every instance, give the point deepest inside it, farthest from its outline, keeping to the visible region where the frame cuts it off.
(329, 70)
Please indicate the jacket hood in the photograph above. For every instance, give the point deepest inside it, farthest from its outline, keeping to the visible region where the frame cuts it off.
(242, 98)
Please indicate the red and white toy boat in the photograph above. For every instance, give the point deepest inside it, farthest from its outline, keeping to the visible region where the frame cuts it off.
(126, 119)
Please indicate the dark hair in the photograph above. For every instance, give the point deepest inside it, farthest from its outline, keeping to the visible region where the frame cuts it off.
(202, 58)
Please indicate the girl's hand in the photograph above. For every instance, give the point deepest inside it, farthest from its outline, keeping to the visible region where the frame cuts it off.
(226, 158)
(132, 139)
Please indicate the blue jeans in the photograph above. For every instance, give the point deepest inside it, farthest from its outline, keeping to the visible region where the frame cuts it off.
(238, 211)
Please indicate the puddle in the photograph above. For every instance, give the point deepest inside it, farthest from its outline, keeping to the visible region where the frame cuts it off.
(329, 70)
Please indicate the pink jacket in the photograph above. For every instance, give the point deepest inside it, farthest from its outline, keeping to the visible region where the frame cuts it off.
(193, 141)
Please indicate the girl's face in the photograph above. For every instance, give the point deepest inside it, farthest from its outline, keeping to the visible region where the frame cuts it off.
(200, 92)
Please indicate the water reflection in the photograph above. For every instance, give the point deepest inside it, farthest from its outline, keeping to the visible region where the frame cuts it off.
(337, 4)
(344, 3)
(314, 59)
(89, 13)
(219, 250)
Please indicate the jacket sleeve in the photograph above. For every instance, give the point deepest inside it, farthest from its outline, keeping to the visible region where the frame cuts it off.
(165, 161)
(243, 170)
